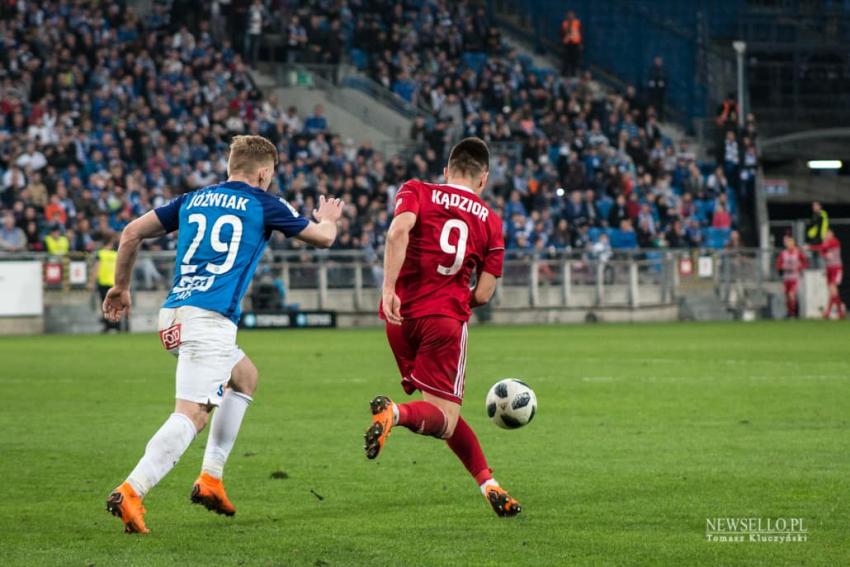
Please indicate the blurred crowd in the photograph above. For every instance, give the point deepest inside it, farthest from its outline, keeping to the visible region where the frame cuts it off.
(105, 114)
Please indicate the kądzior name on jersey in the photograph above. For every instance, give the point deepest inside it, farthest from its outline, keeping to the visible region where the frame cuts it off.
(224, 230)
(455, 235)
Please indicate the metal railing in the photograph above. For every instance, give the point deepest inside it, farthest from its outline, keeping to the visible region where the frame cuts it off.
(630, 278)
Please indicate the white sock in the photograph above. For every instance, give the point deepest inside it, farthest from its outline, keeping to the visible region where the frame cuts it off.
(163, 451)
(395, 414)
(225, 427)
(486, 483)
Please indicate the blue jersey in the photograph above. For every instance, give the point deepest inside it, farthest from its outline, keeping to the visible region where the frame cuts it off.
(224, 230)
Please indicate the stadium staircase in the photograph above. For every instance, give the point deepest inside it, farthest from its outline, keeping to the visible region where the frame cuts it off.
(357, 109)
(703, 305)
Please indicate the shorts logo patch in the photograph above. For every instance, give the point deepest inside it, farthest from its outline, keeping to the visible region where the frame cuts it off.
(170, 337)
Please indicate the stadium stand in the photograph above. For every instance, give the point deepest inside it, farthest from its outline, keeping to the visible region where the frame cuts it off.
(104, 115)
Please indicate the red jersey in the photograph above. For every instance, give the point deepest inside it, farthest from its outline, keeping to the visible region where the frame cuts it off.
(790, 263)
(455, 233)
(831, 252)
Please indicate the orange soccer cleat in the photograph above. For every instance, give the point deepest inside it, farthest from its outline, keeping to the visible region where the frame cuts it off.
(124, 503)
(501, 501)
(382, 423)
(209, 491)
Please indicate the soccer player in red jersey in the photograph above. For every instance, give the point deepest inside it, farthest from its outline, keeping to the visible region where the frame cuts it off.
(830, 249)
(790, 262)
(439, 236)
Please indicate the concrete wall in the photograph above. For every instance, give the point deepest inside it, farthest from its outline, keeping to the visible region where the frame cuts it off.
(78, 311)
(21, 325)
(348, 125)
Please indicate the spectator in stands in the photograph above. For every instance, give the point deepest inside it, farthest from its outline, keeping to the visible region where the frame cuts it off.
(291, 120)
(296, 40)
(731, 158)
(405, 87)
(12, 238)
(601, 249)
(316, 123)
(618, 212)
(254, 31)
(14, 180)
(817, 225)
(750, 129)
(734, 242)
(55, 212)
(657, 86)
(721, 217)
(749, 170)
(135, 147)
(35, 243)
(677, 236)
(104, 276)
(572, 44)
(56, 243)
(727, 114)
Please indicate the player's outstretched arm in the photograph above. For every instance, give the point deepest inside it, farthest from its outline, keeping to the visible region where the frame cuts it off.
(395, 252)
(484, 289)
(117, 301)
(322, 233)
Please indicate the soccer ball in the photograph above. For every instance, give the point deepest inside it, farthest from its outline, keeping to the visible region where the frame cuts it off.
(511, 403)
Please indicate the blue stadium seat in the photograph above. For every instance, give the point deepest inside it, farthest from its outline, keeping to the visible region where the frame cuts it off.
(360, 59)
(700, 211)
(474, 60)
(715, 238)
(603, 206)
(593, 233)
(624, 240)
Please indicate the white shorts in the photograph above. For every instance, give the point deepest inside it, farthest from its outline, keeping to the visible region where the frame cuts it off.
(204, 343)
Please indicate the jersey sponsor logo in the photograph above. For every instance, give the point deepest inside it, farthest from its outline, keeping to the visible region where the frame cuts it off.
(170, 337)
(189, 284)
(465, 204)
(218, 200)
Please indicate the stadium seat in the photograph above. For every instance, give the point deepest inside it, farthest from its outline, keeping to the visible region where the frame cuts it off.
(622, 240)
(474, 60)
(716, 238)
(360, 59)
(603, 207)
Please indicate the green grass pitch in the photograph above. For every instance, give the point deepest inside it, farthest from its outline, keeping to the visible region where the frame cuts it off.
(642, 433)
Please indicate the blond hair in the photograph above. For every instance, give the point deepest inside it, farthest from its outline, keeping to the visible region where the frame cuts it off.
(249, 153)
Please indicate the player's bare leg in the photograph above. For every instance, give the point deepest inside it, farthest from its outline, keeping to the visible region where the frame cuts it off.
(208, 489)
(161, 454)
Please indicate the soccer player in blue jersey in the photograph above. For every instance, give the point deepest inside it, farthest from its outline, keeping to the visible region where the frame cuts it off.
(224, 229)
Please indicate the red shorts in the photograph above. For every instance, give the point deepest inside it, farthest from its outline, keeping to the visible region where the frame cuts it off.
(791, 286)
(834, 275)
(431, 355)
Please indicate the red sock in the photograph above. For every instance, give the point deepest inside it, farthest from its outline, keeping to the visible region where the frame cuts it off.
(828, 311)
(465, 445)
(422, 417)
